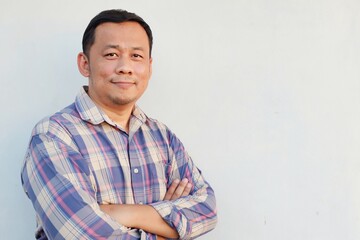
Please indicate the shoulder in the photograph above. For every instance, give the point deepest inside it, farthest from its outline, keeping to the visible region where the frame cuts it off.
(58, 124)
(155, 124)
(160, 128)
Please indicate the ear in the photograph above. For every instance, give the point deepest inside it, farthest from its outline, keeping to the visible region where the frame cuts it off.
(83, 64)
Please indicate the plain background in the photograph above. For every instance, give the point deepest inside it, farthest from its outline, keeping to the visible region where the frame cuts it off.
(264, 94)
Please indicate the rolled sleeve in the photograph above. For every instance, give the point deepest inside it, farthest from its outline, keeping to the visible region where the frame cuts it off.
(192, 216)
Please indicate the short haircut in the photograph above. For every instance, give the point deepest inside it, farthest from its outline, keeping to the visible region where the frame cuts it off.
(114, 16)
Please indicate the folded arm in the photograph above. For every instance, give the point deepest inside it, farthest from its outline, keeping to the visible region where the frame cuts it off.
(194, 214)
(57, 180)
(145, 216)
(188, 209)
(183, 216)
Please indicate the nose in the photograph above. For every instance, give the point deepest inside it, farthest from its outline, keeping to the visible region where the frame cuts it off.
(124, 66)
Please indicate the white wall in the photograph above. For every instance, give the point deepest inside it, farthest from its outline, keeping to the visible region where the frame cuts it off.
(264, 94)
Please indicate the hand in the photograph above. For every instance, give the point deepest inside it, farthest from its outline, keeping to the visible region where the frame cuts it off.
(160, 238)
(178, 189)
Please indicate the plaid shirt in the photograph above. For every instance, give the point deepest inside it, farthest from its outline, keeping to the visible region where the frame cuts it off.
(79, 158)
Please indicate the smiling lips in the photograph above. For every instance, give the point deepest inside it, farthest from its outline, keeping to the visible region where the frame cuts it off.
(124, 84)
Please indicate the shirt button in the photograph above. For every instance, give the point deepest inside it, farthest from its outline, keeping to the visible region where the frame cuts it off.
(136, 170)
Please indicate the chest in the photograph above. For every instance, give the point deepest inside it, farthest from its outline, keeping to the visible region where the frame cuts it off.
(125, 170)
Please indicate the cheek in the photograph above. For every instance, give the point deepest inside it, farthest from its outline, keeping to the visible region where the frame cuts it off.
(102, 70)
(142, 70)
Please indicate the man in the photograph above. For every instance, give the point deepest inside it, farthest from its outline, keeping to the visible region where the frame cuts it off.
(102, 169)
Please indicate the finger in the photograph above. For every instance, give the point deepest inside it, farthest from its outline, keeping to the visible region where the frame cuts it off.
(180, 189)
(171, 190)
(187, 190)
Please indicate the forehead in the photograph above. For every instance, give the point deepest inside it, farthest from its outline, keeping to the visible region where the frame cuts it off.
(121, 32)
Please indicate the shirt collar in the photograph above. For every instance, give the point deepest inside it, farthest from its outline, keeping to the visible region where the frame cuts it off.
(91, 113)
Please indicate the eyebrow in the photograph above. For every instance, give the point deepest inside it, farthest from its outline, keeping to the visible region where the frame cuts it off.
(118, 47)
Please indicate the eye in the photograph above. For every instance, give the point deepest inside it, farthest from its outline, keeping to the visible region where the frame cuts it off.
(135, 55)
(111, 55)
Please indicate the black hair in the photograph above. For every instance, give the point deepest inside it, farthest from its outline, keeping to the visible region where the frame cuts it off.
(115, 16)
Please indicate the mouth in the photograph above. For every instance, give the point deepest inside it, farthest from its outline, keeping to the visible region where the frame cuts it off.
(123, 84)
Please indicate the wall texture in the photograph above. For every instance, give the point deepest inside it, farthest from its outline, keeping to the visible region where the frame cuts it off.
(264, 94)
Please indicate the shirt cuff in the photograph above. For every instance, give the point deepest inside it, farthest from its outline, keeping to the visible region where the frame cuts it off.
(174, 217)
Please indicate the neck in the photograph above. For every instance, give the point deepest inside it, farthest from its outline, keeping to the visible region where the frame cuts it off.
(120, 115)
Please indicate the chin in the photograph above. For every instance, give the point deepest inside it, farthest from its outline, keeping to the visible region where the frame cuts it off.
(122, 101)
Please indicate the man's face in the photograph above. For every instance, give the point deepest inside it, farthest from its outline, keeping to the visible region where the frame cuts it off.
(118, 65)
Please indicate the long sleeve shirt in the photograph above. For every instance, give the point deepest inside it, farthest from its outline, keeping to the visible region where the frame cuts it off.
(79, 158)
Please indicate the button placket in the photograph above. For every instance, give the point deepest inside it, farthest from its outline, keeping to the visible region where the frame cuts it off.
(138, 190)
